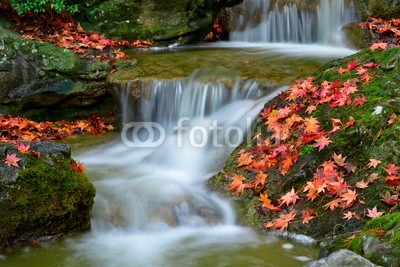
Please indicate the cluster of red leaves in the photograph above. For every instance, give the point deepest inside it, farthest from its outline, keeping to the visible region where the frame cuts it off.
(17, 129)
(387, 32)
(20, 131)
(64, 31)
(289, 132)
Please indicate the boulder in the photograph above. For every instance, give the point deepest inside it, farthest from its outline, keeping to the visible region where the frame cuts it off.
(43, 196)
(342, 258)
(180, 20)
(35, 75)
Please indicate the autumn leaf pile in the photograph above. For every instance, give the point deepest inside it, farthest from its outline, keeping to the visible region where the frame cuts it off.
(290, 130)
(64, 31)
(20, 131)
(386, 31)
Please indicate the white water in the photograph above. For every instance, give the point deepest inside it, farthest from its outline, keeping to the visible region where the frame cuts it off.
(152, 207)
(261, 22)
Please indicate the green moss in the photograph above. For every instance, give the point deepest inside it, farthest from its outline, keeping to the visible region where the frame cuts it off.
(357, 37)
(47, 195)
(386, 222)
(356, 244)
(382, 9)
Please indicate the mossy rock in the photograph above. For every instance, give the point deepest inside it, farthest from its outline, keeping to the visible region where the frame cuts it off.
(157, 20)
(357, 37)
(43, 196)
(371, 137)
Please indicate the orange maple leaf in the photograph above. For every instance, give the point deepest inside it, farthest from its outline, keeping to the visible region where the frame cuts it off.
(333, 204)
(77, 166)
(290, 198)
(307, 215)
(361, 184)
(373, 163)
(375, 46)
(245, 159)
(349, 197)
(310, 109)
(282, 222)
(286, 164)
(311, 125)
(23, 149)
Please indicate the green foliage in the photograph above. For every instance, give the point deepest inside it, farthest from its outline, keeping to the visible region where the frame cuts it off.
(39, 6)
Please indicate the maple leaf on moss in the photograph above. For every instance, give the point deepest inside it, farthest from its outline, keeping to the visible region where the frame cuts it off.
(374, 213)
(392, 169)
(290, 198)
(78, 166)
(322, 142)
(12, 160)
(373, 163)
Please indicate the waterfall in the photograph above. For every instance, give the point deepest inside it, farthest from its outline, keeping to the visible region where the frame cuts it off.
(262, 21)
(152, 205)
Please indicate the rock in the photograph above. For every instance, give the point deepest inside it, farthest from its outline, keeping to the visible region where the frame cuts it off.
(357, 37)
(157, 20)
(43, 196)
(342, 258)
(36, 75)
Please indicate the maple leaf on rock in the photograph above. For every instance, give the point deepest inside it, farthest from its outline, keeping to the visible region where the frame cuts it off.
(374, 213)
(289, 198)
(322, 142)
(12, 160)
(23, 149)
(307, 215)
(349, 197)
(282, 222)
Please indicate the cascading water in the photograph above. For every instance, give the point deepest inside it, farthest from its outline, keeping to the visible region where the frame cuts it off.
(152, 207)
(265, 22)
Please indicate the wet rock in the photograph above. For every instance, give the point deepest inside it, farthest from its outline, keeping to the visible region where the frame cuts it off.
(37, 75)
(178, 21)
(342, 258)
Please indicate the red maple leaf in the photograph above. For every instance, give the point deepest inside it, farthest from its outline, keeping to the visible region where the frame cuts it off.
(12, 160)
(392, 169)
(359, 101)
(352, 65)
(374, 213)
(322, 142)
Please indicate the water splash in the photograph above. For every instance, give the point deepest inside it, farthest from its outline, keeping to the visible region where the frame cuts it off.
(264, 22)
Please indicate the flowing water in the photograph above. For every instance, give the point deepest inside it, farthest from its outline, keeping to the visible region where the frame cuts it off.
(153, 207)
(266, 22)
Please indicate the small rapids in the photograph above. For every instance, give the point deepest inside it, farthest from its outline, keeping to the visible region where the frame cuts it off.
(152, 206)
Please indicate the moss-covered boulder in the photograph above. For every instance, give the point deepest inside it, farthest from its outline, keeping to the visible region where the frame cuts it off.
(375, 135)
(180, 20)
(43, 196)
(41, 77)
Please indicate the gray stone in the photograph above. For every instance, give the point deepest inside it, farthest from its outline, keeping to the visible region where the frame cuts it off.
(342, 258)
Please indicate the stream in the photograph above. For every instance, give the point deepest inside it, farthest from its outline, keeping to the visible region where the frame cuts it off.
(153, 207)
